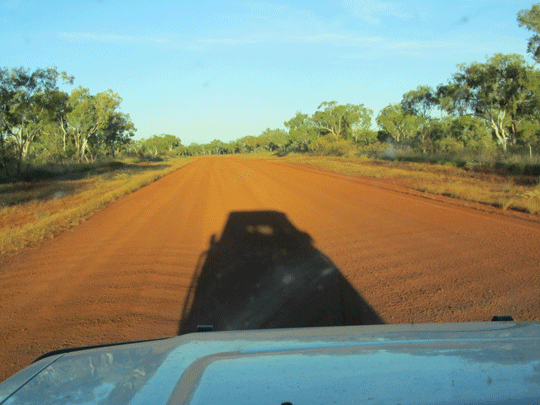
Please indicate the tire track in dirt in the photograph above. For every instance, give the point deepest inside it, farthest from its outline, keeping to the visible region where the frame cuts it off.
(124, 274)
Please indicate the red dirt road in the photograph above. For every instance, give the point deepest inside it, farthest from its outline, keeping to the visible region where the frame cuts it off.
(123, 274)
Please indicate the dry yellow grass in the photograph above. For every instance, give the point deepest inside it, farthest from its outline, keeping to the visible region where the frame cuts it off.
(32, 212)
(504, 192)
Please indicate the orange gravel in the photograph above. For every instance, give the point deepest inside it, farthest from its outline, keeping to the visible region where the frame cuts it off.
(124, 274)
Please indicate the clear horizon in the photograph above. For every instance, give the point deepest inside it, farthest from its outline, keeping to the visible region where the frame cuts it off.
(210, 70)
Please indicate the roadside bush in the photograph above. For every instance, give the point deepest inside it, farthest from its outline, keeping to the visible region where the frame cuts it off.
(449, 145)
(518, 164)
(326, 146)
(377, 150)
(484, 147)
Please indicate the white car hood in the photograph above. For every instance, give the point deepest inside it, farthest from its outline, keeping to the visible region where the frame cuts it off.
(459, 363)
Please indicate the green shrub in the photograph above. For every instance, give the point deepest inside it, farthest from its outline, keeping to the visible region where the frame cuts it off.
(449, 145)
(326, 146)
(375, 150)
(485, 147)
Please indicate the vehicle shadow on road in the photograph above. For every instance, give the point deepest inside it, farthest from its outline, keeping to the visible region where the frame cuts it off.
(264, 273)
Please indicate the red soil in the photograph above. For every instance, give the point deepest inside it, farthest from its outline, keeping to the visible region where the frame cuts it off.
(124, 274)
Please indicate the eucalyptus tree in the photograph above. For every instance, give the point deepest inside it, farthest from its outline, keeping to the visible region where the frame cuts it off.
(272, 139)
(25, 98)
(422, 103)
(340, 120)
(54, 139)
(530, 19)
(89, 115)
(500, 91)
(159, 144)
(216, 147)
(467, 129)
(247, 144)
(6, 100)
(117, 132)
(398, 123)
(301, 131)
(530, 133)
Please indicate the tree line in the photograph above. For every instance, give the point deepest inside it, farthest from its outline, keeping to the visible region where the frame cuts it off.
(484, 106)
(40, 122)
(491, 105)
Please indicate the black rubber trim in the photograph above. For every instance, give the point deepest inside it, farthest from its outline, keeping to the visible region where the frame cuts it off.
(502, 318)
(74, 349)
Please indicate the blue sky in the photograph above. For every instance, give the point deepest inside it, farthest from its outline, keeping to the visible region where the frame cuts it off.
(219, 69)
